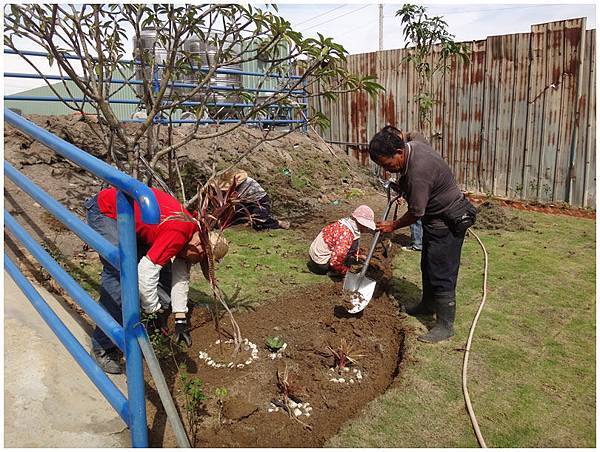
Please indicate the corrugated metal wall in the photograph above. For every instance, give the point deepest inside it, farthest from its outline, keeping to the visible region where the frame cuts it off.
(505, 122)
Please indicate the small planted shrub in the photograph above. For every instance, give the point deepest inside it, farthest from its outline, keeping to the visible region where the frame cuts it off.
(275, 343)
(193, 390)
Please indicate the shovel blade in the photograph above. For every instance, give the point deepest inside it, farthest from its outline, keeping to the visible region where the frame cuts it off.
(363, 285)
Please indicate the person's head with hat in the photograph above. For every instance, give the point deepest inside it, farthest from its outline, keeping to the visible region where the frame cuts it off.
(194, 251)
(228, 178)
(365, 218)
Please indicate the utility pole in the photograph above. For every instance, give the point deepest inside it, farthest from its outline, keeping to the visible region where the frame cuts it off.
(381, 26)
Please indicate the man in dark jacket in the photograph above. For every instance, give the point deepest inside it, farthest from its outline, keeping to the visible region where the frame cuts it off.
(433, 197)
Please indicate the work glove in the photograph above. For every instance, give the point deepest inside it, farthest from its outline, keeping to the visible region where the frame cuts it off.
(181, 334)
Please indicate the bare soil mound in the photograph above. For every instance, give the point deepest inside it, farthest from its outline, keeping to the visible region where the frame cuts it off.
(308, 320)
(492, 215)
(300, 172)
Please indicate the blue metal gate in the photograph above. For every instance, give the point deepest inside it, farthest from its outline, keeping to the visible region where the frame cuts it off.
(132, 408)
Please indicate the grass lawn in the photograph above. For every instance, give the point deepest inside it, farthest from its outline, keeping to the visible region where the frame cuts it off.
(532, 365)
(259, 267)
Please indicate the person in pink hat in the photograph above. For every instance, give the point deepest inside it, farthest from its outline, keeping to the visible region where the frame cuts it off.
(336, 247)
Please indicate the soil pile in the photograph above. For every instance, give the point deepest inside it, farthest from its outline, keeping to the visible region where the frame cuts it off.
(302, 175)
(300, 172)
(491, 215)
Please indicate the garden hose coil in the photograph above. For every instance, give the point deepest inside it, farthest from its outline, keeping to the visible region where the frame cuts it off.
(468, 347)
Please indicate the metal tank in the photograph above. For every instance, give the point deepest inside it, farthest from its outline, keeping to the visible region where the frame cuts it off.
(206, 52)
(148, 42)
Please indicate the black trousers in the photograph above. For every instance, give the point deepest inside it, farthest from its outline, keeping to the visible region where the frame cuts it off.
(260, 212)
(319, 269)
(440, 258)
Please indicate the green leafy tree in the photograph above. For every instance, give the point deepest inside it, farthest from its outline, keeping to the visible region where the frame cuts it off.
(428, 39)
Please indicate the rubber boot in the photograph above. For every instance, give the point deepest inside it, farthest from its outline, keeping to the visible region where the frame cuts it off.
(445, 310)
(425, 307)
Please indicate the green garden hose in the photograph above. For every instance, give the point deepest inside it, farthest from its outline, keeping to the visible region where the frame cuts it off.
(468, 348)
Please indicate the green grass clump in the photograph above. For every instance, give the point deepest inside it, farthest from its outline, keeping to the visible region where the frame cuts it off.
(259, 267)
(532, 365)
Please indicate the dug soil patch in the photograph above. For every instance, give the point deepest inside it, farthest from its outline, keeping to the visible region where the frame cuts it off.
(491, 215)
(308, 319)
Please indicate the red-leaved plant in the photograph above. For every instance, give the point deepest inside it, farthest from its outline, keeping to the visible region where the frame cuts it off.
(216, 211)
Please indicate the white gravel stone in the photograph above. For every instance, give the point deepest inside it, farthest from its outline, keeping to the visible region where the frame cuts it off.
(333, 379)
(354, 371)
(248, 362)
(342, 380)
(307, 414)
(239, 366)
(351, 381)
(309, 408)
(270, 410)
(292, 404)
(346, 369)
(218, 341)
(297, 412)
(359, 375)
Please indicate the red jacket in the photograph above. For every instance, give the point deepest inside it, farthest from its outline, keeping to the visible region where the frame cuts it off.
(167, 238)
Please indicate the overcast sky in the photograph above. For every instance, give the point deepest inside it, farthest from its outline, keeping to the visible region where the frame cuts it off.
(356, 25)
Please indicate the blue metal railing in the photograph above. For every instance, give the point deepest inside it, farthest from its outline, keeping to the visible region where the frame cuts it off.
(302, 106)
(117, 81)
(133, 408)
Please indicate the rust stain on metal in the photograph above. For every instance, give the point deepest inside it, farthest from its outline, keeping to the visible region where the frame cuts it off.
(389, 110)
(500, 120)
(573, 35)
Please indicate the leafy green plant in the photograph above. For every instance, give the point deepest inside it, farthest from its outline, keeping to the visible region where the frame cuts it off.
(424, 33)
(193, 390)
(354, 193)
(162, 344)
(274, 343)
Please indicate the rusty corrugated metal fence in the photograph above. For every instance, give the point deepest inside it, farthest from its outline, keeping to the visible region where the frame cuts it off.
(517, 121)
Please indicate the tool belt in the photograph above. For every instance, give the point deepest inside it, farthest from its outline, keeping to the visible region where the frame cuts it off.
(460, 217)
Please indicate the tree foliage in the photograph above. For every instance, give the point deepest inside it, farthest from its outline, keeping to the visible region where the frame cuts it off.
(90, 45)
(431, 46)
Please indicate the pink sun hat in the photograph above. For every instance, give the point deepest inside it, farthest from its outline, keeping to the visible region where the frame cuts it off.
(365, 216)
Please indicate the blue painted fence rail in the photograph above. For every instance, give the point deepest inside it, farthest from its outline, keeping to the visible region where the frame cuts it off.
(294, 79)
(132, 409)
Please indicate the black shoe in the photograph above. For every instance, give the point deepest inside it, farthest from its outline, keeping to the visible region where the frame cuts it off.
(423, 308)
(445, 305)
(109, 360)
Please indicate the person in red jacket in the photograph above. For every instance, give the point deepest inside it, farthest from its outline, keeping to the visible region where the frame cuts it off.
(337, 245)
(166, 252)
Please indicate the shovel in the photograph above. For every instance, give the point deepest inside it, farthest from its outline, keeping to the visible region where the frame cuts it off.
(357, 283)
